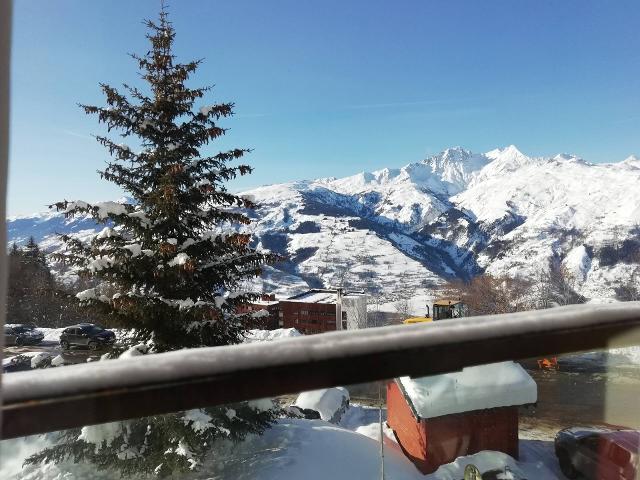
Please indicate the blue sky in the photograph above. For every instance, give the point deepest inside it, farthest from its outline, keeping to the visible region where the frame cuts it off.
(331, 88)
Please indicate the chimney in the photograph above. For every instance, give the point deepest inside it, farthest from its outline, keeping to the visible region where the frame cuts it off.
(339, 308)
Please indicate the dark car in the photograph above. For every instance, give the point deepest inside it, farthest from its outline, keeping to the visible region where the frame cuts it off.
(598, 453)
(22, 335)
(86, 335)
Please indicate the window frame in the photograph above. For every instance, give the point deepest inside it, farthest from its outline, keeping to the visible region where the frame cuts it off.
(41, 401)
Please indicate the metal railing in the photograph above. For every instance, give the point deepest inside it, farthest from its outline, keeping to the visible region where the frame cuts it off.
(72, 396)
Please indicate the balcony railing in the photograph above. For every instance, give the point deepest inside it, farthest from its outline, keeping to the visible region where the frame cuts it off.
(54, 399)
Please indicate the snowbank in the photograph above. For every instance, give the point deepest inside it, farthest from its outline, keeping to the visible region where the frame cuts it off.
(270, 335)
(309, 450)
(330, 403)
(135, 351)
(631, 353)
(317, 450)
(31, 355)
(508, 468)
(474, 388)
(52, 334)
(291, 449)
(614, 357)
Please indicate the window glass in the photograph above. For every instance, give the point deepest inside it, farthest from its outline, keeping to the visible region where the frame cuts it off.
(248, 158)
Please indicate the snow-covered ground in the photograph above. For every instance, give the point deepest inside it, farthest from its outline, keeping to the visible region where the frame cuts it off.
(49, 347)
(309, 449)
(257, 335)
(330, 403)
(614, 357)
(52, 335)
(314, 449)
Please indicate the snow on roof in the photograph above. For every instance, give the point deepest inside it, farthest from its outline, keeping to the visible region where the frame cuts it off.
(314, 297)
(474, 388)
(321, 296)
(265, 302)
(326, 401)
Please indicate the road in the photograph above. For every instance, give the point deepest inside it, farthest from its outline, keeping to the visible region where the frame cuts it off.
(583, 392)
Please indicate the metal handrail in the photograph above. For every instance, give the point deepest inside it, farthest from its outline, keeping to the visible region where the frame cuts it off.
(72, 396)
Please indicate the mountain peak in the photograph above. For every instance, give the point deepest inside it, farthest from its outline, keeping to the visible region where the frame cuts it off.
(455, 166)
(631, 161)
(507, 153)
(569, 157)
(455, 152)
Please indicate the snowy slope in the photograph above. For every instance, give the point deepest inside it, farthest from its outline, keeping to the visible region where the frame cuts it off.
(400, 231)
(559, 207)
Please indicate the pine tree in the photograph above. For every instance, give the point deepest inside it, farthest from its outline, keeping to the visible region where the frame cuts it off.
(32, 289)
(169, 262)
(167, 259)
(32, 250)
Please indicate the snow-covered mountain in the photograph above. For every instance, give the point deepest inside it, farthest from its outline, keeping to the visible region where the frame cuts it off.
(454, 214)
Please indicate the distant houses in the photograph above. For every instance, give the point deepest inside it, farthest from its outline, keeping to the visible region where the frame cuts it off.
(314, 311)
(441, 417)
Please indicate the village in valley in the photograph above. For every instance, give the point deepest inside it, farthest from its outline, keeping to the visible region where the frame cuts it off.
(186, 261)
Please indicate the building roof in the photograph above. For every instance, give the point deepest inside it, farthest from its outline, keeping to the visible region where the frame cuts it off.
(265, 302)
(321, 296)
(447, 301)
(473, 388)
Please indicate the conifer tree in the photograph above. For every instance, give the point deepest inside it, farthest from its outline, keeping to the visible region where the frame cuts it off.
(32, 294)
(169, 258)
(169, 262)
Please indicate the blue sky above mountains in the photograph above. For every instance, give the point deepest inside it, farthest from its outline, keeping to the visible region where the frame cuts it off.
(332, 88)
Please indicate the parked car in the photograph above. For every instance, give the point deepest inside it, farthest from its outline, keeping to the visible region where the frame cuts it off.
(22, 334)
(598, 453)
(86, 335)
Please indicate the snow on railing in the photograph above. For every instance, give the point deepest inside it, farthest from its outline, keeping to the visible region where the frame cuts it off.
(72, 396)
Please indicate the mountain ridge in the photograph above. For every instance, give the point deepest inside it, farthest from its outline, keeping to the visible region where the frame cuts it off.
(451, 215)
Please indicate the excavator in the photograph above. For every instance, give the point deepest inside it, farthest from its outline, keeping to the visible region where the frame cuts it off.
(443, 308)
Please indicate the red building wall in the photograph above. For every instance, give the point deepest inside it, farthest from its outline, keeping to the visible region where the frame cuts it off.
(270, 322)
(432, 442)
(308, 318)
(410, 432)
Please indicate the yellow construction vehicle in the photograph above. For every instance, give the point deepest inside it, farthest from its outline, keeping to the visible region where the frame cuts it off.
(443, 308)
(411, 320)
